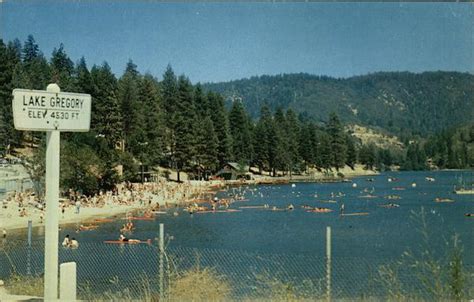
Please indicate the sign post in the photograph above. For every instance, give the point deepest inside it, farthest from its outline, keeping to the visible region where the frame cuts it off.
(53, 112)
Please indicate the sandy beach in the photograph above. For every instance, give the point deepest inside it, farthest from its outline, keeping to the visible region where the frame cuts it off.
(151, 195)
(135, 197)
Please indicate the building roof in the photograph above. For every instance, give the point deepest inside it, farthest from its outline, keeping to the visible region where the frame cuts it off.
(237, 166)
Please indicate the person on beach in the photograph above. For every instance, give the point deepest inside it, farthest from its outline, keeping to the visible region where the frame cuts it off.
(78, 206)
(73, 243)
(41, 216)
(66, 241)
(4, 233)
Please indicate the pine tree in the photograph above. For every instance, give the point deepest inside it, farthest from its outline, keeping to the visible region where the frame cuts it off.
(264, 147)
(201, 103)
(260, 143)
(367, 156)
(106, 116)
(282, 157)
(3, 134)
(34, 73)
(169, 98)
(62, 69)
(154, 120)
(206, 146)
(338, 141)
(169, 95)
(30, 49)
(351, 155)
(221, 126)
(325, 151)
(293, 130)
(241, 136)
(185, 118)
(83, 80)
(9, 60)
(316, 145)
(305, 145)
(131, 110)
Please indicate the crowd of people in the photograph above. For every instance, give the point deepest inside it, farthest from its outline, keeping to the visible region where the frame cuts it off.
(153, 195)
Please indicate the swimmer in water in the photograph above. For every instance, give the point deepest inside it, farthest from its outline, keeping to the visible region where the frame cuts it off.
(125, 239)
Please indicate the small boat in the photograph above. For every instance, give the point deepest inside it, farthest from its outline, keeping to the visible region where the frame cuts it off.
(368, 196)
(140, 218)
(438, 199)
(277, 209)
(393, 197)
(252, 207)
(338, 194)
(356, 214)
(469, 214)
(429, 179)
(148, 241)
(218, 211)
(103, 220)
(389, 205)
(463, 191)
(328, 201)
(398, 188)
(463, 188)
(319, 210)
(88, 227)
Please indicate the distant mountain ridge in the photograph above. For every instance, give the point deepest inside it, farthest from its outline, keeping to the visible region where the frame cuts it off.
(400, 102)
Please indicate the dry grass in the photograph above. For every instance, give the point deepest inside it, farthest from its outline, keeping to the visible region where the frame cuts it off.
(199, 285)
(271, 288)
(24, 285)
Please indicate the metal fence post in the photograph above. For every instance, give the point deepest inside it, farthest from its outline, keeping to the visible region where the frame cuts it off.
(328, 263)
(28, 260)
(162, 251)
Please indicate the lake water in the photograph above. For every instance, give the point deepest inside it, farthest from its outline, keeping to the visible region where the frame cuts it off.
(377, 238)
(382, 233)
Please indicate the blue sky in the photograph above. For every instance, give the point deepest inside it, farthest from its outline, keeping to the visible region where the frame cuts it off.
(224, 41)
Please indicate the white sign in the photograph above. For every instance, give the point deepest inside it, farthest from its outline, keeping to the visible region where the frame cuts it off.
(39, 110)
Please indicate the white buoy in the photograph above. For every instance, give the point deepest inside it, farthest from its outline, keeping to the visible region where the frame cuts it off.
(293, 185)
(354, 185)
(413, 185)
(389, 179)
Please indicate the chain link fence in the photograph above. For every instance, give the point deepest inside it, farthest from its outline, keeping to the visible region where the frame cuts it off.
(140, 272)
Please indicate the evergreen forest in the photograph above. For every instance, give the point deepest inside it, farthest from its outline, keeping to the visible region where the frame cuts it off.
(140, 121)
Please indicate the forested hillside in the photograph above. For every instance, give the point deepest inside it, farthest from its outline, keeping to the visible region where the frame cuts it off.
(401, 102)
(140, 121)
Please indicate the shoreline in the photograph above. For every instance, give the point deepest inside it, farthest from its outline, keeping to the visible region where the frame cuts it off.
(170, 193)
